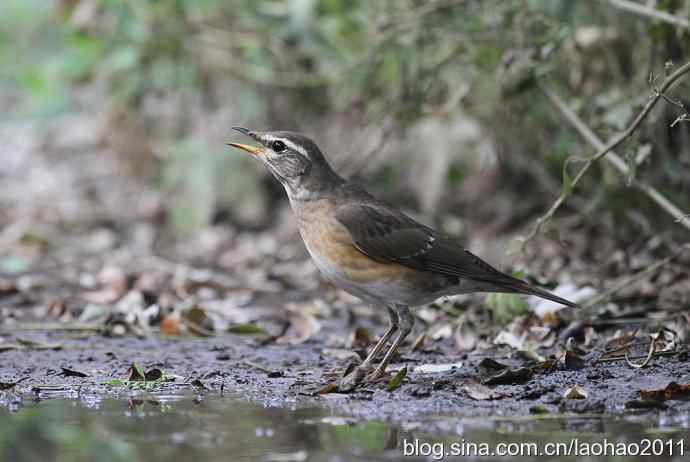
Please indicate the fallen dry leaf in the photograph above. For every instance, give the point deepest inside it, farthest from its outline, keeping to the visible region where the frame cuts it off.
(510, 376)
(10, 385)
(73, 373)
(170, 325)
(509, 338)
(672, 391)
(465, 336)
(480, 392)
(329, 388)
(492, 372)
(441, 332)
(436, 368)
(136, 373)
(153, 374)
(302, 327)
(575, 392)
(544, 366)
(573, 361)
(530, 355)
(491, 365)
(198, 322)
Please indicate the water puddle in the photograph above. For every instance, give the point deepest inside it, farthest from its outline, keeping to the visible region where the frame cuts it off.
(178, 427)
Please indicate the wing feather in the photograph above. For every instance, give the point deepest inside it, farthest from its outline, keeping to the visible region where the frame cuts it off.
(387, 235)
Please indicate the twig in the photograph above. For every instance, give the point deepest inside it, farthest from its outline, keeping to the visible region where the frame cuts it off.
(623, 357)
(632, 279)
(650, 355)
(681, 118)
(644, 10)
(652, 349)
(604, 149)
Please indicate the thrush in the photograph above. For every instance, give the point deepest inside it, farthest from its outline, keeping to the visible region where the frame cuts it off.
(370, 249)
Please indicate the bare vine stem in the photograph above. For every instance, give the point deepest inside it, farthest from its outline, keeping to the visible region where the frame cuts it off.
(650, 12)
(604, 149)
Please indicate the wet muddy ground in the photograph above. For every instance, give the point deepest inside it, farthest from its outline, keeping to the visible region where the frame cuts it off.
(282, 375)
(231, 395)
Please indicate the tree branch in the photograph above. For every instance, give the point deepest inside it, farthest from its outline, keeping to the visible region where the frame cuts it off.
(644, 10)
(604, 149)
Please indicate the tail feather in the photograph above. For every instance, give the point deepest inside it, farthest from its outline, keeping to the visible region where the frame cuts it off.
(527, 289)
(511, 285)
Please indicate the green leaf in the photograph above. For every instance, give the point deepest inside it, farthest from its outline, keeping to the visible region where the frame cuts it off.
(506, 307)
(137, 372)
(83, 54)
(538, 410)
(114, 383)
(246, 329)
(397, 379)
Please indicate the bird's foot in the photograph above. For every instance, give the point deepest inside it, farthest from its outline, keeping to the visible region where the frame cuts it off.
(354, 376)
(375, 376)
(358, 376)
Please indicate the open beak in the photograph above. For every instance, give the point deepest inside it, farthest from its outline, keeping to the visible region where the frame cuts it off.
(255, 151)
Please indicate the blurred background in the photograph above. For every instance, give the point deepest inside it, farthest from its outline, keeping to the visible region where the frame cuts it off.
(124, 214)
(116, 114)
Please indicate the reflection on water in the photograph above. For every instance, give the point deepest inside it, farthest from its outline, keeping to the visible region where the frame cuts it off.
(172, 428)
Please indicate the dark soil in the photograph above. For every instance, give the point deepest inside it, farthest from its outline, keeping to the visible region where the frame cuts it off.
(281, 375)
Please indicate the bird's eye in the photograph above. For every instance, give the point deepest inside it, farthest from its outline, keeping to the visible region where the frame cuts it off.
(278, 146)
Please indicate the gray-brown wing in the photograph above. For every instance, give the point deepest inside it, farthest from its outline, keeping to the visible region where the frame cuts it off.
(387, 235)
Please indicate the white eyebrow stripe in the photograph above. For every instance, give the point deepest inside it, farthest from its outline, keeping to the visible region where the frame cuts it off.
(295, 147)
(288, 143)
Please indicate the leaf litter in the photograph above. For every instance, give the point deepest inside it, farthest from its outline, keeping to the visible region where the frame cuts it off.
(117, 278)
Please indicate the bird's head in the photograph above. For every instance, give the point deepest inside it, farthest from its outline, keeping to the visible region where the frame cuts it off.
(295, 160)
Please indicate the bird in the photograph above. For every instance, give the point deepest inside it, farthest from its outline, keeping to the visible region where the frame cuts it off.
(371, 249)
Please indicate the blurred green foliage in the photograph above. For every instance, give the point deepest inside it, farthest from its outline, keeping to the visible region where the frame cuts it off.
(506, 307)
(294, 63)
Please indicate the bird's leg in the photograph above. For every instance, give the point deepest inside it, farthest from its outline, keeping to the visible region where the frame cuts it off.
(384, 338)
(406, 322)
(355, 376)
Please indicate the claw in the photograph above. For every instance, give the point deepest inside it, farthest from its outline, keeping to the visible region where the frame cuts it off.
(354, 377)
(374, 376)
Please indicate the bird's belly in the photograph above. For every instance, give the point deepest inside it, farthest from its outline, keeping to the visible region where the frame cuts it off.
(374, 284)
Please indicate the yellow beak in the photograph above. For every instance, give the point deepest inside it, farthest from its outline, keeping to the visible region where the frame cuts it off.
(253, 150)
